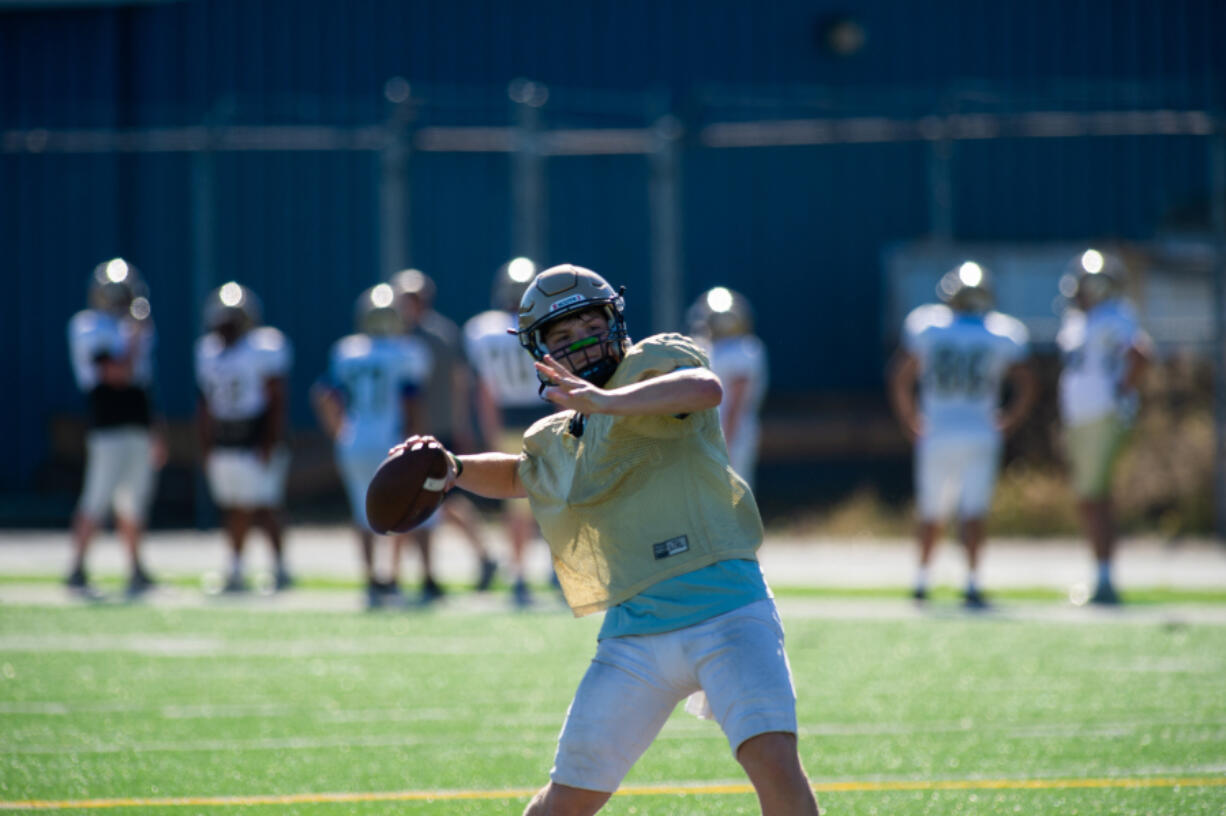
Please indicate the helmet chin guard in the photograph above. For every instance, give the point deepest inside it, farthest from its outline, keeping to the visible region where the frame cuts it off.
(564, 291)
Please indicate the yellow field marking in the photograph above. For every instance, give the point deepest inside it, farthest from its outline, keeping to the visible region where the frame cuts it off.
(645, 790)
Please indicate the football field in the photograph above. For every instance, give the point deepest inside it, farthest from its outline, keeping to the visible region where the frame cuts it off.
(269, 708)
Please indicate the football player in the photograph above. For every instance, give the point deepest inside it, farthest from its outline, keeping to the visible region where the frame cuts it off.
(647, 521)
(367, 403)
(1105, 352)
(722, 321)
(960, 353)
(508, 398)
(241, 370)
(447, 397)
(111, 348)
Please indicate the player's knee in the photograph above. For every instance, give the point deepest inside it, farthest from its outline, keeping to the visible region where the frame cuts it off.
(772, 759)
(562, 800)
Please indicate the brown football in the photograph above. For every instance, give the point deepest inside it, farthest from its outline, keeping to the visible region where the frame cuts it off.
(407, 487)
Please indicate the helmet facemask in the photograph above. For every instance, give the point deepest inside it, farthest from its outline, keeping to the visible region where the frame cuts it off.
(593, 358)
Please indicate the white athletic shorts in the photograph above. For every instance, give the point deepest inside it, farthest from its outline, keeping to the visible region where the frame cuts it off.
(955, 474)
(357, 468)
(119, 474)
(240, 478)
(634, 683)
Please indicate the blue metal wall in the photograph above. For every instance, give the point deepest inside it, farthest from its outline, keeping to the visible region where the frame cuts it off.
(798, 229)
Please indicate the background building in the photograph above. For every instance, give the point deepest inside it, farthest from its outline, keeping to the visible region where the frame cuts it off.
(793, 151)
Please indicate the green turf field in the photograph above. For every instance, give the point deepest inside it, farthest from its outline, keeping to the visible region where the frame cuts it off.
(143, 709)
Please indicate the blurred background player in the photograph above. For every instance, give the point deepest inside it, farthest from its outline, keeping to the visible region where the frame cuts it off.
(721, 320)
(960, 353)
(367, 403)
(507, 397)
(111, 347)
(1104, 352)
(447, 400)
(241, 370)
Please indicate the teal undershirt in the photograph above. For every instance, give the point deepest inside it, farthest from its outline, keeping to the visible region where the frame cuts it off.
(687, 599)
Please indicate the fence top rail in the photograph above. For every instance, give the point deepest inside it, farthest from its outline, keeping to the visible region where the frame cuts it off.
(1037, 124)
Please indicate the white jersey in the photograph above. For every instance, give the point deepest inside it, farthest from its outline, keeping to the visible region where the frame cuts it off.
(93, 333)
(232, 378)
(504, 366)
(962, 361)
(1095, 348)
(733, 358)
(374, 374)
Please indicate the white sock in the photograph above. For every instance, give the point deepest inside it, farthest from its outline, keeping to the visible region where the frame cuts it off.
(921, 577)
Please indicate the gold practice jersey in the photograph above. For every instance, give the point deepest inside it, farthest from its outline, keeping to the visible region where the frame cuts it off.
(637, 499)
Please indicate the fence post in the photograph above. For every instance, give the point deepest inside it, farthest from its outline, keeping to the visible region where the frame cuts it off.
(529, 213)
(203, 197)
(1217, 210)
(394, 202)
(665, 204)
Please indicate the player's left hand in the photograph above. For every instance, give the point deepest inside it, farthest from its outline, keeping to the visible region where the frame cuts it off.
(570, 391)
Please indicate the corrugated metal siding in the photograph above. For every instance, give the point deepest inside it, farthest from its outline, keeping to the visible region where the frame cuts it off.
(799, 230)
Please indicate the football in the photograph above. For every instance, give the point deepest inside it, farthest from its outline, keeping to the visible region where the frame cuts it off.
(408, 486)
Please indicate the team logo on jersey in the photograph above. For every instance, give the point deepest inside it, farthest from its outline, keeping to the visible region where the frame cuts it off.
(674, 546)
(566, 301)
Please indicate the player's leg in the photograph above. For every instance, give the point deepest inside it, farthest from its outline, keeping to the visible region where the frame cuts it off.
(228, 472)
(623, 701)
(133, 495)
(979, 466)
(462, 513)
(772, 764)
(423, 540)
(357, 466)
(739, 661)
(932, 505)
(562, 800)
(1093, 450)
(269, 519)
(268, 515)
(237, 522)
(521, 530)
(103, 463)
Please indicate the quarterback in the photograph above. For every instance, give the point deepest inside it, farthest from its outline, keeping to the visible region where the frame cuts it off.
(645, 520)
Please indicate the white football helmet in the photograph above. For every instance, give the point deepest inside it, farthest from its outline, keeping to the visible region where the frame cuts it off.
(116, 287)
(376, 312)
(720, 312)
(1092, 277)
(967, 288)
(232, 309)
(510, 282)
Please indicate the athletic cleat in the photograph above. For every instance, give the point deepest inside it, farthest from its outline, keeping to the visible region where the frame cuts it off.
(235, 584)
(431, 591)
(139, 583)
(1105, 595)
(77, 579)
(485, 577)
(521, 596)
(283, 580)
(374, 594)
(973, 599)
(919, 595)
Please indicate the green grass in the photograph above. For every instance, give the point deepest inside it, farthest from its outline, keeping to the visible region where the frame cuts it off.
(146, 702)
